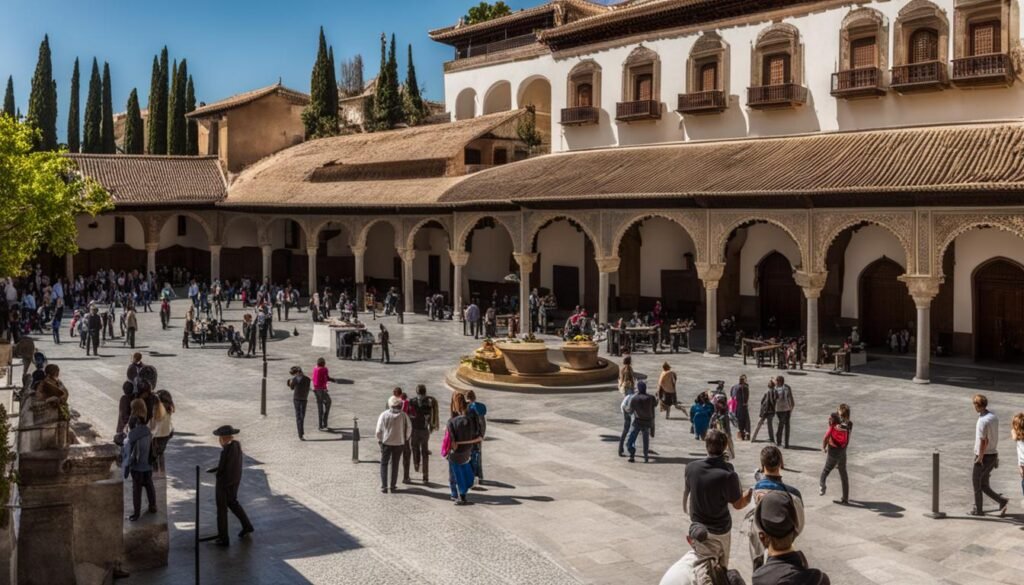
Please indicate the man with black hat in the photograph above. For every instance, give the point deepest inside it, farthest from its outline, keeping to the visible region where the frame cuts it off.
(700, 564)
(299, 383)
(229, 477)
(776, 520)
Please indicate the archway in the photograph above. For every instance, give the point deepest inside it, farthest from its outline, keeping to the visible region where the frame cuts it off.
(432, 267)
(498, 98)
(335, 263)
(383, 265)
(999, 310)
(288, 261)
(535, 92)
(240, 254)
(885, 304)
(465, 104)
(184, 251)
(780, 297)
(742, 287)
(109, 242)
(656, 263)
(490, 250)
(566, 265)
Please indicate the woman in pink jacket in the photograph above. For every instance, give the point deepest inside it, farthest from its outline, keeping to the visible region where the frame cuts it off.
(323, 400)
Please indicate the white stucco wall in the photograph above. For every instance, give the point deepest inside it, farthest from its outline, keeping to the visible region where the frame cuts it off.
(664, 244)
(489, 260)
(380, 252)
(868, 244)
(762, 240)
(560, 244)
(428, 242)
(102, 236)
(241, 233)
(195, 235)
(820, 35)
(973, 249)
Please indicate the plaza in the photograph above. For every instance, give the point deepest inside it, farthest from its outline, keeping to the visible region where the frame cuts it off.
(560, 506)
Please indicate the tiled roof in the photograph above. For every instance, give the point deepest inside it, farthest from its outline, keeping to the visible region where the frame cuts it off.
(968, 158)
(155, 180)
(248, 97)
(582, 7)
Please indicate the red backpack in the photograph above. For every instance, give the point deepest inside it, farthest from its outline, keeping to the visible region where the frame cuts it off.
(839, 435)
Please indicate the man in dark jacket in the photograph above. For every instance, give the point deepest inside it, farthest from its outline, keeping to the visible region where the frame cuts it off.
(776, 520)
(299, 383)
(423, 415)
(94, 324)
(229, 476)
(385, 345)
(642, 406)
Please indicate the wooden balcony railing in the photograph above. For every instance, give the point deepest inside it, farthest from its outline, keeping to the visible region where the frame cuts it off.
(580, 116)
(920, 76)
(702, 102)
(858, 83)
(983, 69)
(638, 110)
(496, 46)
(786, 95)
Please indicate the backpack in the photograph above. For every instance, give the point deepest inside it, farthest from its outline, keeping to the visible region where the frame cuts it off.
(708, 571)
(839, 436)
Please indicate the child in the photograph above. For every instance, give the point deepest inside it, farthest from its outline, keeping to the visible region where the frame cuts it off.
(834, 444)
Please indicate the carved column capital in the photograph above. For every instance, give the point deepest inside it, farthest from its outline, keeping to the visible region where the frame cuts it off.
(811, 282)
(152, 246)
(215, 248)
(311, 250)
(609, 264)
(407, 254)
(459, 257)
(525, 261)
(358, 251)
(922, 288)
(710, 273)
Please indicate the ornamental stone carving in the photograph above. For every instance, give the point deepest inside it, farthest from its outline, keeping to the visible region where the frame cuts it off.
(615, 224)
(829, 223)
(365, 224)
(793, 222)
(922, 288)
(458, 257)
(465, 222)
(946, 226)
(588, 221)
(608, 264)
(319, 224)
(710, 273)
(525, 261)
(412, 225)
(811, 282)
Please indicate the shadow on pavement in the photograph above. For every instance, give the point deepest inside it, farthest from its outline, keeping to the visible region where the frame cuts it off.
(884, 509)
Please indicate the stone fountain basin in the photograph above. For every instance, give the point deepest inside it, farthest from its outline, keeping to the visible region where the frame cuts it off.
(581, 356)
(526, 358)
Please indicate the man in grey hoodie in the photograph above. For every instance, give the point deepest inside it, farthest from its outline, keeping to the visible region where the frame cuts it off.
(393, 432)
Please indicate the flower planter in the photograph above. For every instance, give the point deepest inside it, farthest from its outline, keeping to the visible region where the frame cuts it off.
(526, 358)
(581, 356)
(495, 361)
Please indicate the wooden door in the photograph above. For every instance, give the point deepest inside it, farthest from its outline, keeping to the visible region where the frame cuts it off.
(709, 77)
(584, 95)
(629, 269)
(999, 311)
(924, 46)
(885, 303)
(644, 87)
(565, 283)
(779, 294)
(863, 53)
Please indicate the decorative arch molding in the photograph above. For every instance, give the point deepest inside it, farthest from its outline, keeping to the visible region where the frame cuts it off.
(524, 85)
(317, 225)
(465, 222)
(412, 226)
(793, 222)
(359, 240)
(154, 223)
(948, 226)
(828, 224)
(586, 72)
(917, 15)
(586, 220)
(639, 61)
(863, 23)
(709, 50)
(778, 38)
(615, 224)
(226, 219)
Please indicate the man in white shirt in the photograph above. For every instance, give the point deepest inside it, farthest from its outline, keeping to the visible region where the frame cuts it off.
(986, 456)
(700, 564)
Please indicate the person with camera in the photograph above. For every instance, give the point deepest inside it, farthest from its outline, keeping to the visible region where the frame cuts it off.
(776, 520)
(837, 438)
(768, 479)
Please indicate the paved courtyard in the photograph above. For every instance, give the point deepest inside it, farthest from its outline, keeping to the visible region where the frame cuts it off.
(561, 506)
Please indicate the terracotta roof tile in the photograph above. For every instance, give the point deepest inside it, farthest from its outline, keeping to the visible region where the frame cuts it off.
(582, 7)
(159, 180)
(248, 97)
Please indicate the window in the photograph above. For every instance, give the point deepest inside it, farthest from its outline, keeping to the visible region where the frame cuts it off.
(643, 87)
(182, 226)
(709, 76)
(924, 46)
(863, 53)
(984, 38)
(214, 139)
(640, 76)
(707, 68)
(584, 85)
(864, 41)
(473, 156)
(118, 230)
(776, 69)
(778, 57)
(500, 156)
(584, 95)
(921, 36)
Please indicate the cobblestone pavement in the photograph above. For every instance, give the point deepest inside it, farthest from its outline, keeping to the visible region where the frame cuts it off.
(562, 508)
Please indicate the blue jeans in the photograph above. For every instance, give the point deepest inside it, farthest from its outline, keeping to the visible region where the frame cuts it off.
(460, 478)
(631, 442)
(300, 416)
(56, 331)
(627, 420)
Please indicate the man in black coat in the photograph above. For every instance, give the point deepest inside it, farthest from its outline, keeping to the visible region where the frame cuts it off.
(385, 345)
(299, 383)
(229, 476)
(94, 324)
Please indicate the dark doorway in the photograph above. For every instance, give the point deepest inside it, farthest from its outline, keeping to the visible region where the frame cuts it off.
(999, 310)
(780, 296)
(885, 303)
(629, 269)
(565, 283)
(680, 293)
(434, 273)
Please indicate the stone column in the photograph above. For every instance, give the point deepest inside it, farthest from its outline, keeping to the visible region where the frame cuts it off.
(526, 262)
(710, 275)
(812, 283)
(214, 262)
(311, 263)
(268, 252)
(408, 255)
(360, 253)
(605, 268)
(923, 289)
(459, 260)
(151, 248)
(69, 268)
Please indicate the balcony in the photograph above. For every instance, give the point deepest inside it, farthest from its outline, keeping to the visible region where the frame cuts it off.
(702, 102)
(994, 69)
(580, 116)
(786, 95)
(857, 83)
(496, 46)
(927, 76)
(638, 110)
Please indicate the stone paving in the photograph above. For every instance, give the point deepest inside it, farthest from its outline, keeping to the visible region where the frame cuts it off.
(562, 508)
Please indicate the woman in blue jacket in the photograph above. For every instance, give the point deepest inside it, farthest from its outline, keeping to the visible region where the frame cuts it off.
(700, 415)
(137, 448)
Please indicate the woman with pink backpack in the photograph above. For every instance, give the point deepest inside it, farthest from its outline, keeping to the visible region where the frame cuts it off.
(834, 444)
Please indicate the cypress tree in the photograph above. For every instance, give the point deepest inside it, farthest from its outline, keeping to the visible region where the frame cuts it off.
(176, 128)
(9, 97)
(107, 129)
(192, 127)
(74, 116)
(134, 141)
(388, 101)
(320, 117)
(154, 98)
(378, 121)
(42, 101)
(415, 110)
(92, 138)
(395, 114)
(158, 105)
(170, 107)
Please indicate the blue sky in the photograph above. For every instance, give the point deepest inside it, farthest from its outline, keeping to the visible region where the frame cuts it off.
(231, 45)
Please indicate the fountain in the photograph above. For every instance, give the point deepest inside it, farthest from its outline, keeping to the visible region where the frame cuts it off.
(529, 365)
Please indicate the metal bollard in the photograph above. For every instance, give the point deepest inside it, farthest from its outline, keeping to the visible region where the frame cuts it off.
(355, 439)
(197, 526)
(935, 513)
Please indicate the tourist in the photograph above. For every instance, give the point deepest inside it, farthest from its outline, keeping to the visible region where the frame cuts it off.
(641, 406)
(472, 316)
(534, 305)
(165, 313)
(986, 456)
(766, 480)
(776, 521)
(711, 485)
(700, 416)
(784, 404)
(490, 322)
(406, 454)
(321, 376)
(1017, 433)
(423, 416)
(393, 433)
(627, 383)
(58, 316)
(766, 413)
(124, 412)
(137, 459)
(740, 397)
(720, 420)
(229, 478)
(461, 433)
(162, 426)
(667, 390)
(93, 325)
(385, 345)
(131, 325)
(699, 566)
(299, 383)
(477, 456)
(837, 438)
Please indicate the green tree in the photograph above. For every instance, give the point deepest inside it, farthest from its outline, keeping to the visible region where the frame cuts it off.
(92, 137)
(9, 97)
(387, 102)
(415, 109)
(170, 107)
(176, 128)
(74, 115)
(157, 139)
(192, 127)
(526, 129)
(42, 196)
(107, 129)
(483, 12)
(42, 101)
(134, 140)
(320, 117)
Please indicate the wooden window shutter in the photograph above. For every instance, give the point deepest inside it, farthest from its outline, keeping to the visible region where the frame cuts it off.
(924, 46)
(984, 38)
(584, 95)
(709, 77)
(644, 87)
(863, 53)
(776, 69)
